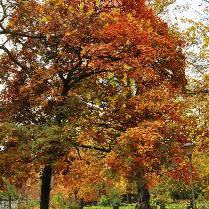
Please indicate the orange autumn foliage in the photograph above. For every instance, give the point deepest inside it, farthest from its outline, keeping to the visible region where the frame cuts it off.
(64, 54)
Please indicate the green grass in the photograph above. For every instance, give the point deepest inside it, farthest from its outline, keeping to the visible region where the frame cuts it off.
(184, 205)
(168, 206)
(109, 207)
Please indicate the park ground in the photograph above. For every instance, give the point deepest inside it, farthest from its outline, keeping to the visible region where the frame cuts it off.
(181, 205)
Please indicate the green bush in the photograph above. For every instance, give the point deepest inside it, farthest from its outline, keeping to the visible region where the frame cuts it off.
(74, 206)
(104, 200)
(60, 202)
(114, 198)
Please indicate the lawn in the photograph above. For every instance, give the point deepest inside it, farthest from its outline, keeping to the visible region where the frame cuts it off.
(106, 207)
(168, 206)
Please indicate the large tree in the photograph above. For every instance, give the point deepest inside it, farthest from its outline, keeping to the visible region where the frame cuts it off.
(58, 55)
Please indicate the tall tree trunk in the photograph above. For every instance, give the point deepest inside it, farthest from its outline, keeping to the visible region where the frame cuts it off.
(143, 195)
(45, 187)
(81, 204)
(10, 202)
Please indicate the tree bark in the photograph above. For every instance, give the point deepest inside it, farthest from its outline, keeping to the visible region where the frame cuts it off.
(10, 202)
(45, 187)
(81, 204)
(143, 195)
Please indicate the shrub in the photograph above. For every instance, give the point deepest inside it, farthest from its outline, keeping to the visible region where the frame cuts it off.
(104, 200)
(114, 198)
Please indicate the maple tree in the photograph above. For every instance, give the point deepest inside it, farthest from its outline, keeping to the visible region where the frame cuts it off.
(58, 58)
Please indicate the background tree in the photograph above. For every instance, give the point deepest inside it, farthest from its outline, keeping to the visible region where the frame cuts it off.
(195, 29)
(197, 59)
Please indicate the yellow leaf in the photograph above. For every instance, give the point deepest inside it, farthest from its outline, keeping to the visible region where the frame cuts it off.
(148, 22)
(97, 3)
(83, 51)
(58, 3)
(150, 29)
(127, 67)
(90, 12)
(71, 9)
(127, 42)
(102, 16)
(115, 10)
(130, 17)
(81, 6)
(67, 33)
(125, 78)
(206, 78)
(142, 21)
(97, 102)
(43, 20)
(10, 24)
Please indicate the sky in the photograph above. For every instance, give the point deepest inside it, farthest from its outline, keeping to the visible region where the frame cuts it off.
(193, 10)
(185, 9)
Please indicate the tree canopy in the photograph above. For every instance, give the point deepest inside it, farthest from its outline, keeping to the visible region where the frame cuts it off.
(79, 74)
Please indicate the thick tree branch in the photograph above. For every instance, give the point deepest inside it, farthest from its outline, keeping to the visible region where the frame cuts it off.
(22, 34)
(12, 57)
(204, 91)
(89, 74)
(3, 12)
(4, 31)
(94, 148)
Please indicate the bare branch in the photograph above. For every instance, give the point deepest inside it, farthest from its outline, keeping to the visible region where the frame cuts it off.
(204, 91)
(4, 32)
(94, 148)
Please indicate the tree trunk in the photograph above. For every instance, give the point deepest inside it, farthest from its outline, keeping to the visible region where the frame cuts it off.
(81, 204)
(10, 202)
(143, 195)
(45, 187)
(162, 206)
